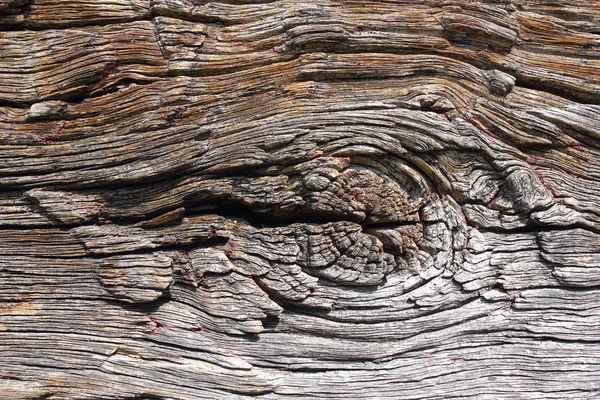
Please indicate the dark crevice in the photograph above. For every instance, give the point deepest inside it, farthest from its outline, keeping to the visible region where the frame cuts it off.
(556, 88)
(540, 148)
(78, 95)
(197, 243)
(14, 104)
(315, 370)
(537, 228)
(270, 322)
(36, 207)
(267, 219)
(538, 337)
(474, 43)
(59, 24)
(274, 218)
(45, 396)
(207, 72)
(140, 308)
(322, 76)
(390, 225)
(114, 87)
(145, 396)
(148, 15)
(564, 287)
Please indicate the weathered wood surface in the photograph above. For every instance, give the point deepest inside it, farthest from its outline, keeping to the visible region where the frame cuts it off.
(310, 200)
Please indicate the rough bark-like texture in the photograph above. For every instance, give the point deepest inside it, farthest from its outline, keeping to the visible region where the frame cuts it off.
(299, 200)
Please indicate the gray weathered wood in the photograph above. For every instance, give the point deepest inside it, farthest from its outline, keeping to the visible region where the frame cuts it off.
(299, 200)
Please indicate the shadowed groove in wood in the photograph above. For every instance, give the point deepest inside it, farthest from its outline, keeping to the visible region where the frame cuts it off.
(310, 200)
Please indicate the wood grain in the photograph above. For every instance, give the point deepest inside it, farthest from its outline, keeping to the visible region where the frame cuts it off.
(310, 200)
